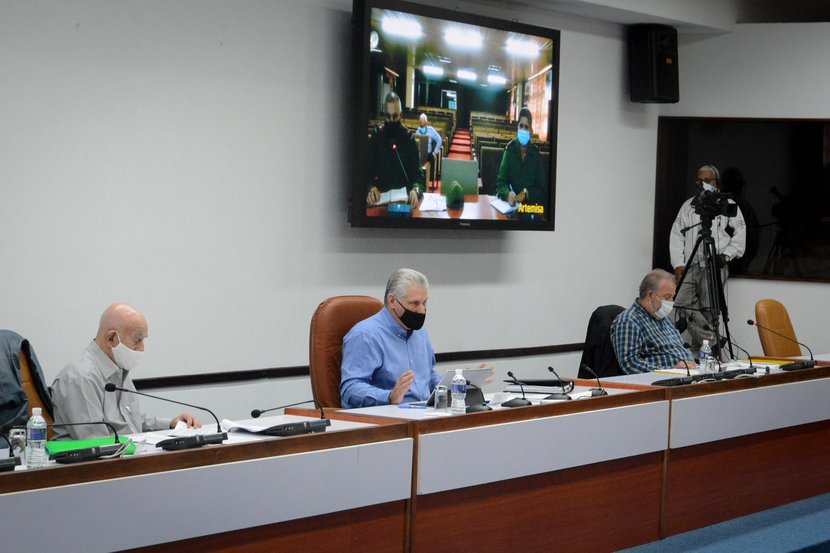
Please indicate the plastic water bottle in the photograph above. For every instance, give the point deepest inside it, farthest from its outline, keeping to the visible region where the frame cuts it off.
(705, 360)
(459, 393)
(36, 440)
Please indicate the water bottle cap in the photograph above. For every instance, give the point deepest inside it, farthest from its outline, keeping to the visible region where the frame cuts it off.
(705, 342)
(459, 371)
(36, 411)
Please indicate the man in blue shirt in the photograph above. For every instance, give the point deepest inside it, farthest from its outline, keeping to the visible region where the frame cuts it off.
(644, 336)
(388, 357)
(433, 144)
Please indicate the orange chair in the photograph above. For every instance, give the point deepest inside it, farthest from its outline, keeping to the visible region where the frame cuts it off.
(330, 323)
(772, 314)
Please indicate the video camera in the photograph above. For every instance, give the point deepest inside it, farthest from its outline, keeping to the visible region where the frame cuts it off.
(712, 204)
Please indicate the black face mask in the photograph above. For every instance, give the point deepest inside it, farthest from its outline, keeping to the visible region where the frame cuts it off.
(412, 319)
(393, 126)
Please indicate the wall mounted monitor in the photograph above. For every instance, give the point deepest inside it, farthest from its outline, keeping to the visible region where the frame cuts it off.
(455, 120)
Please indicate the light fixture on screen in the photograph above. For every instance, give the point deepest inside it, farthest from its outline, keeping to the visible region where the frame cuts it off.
(522, 48)
(433, 71)
(466, 75)
(463, 38)
(402, 27)
(497, 80)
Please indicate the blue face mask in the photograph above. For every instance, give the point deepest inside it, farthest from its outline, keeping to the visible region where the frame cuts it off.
(422, 130)
(524, 137)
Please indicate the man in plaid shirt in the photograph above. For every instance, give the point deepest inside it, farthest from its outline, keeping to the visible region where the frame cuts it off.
(644, 337)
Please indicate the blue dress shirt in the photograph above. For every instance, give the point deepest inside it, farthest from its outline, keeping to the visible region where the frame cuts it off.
(644, 344)
(376, 352)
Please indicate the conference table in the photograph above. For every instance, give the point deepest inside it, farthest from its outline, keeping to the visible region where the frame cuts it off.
(599, 474)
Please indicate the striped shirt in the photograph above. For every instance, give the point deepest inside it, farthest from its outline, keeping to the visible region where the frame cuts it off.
(644, 344)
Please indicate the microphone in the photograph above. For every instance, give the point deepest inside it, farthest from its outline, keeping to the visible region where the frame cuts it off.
(563, 395)
(395, 149)
(88, 453)
(257, 412)
(809, 364)
(599, 390)
(8, 463)
(186, 442)
(517, 401)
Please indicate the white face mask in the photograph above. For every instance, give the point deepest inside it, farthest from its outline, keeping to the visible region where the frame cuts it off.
(126, 358)
(665, 308)
(709, 188)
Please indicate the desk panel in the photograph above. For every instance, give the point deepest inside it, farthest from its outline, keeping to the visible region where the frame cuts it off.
(484, 454)
(148, 509)
(708, 418)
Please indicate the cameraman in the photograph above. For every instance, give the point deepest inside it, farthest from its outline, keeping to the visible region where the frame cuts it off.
(729, 234)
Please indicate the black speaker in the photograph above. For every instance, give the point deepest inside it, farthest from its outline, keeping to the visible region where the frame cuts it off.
(652, 64)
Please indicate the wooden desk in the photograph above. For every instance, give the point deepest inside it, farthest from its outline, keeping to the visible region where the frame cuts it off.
(742, 446)
(342, 490)
(577, 476)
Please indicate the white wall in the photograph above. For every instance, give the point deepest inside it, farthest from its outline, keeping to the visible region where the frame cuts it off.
(766, 71)
(186, 157)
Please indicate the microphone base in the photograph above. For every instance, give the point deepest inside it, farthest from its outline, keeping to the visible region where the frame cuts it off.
(85, 454)
(598, 392)
(189, 442)
(297, 428)
(517, 402)
(8, 463)
(808, 364)
(557, 396)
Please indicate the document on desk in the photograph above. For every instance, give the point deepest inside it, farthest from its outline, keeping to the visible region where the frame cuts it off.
(502, 206)
(433, 202)
(395, 195)
(256, 428)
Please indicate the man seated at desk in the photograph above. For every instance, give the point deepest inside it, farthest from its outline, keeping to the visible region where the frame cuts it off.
(388, 358)
(78, 391)
(521, 176)
(393, 160)
(644, 336)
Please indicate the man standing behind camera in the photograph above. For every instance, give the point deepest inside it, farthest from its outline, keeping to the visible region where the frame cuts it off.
(729, 235)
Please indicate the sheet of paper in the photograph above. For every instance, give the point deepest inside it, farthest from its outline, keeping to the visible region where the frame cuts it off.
(502, 206)
(433, 202)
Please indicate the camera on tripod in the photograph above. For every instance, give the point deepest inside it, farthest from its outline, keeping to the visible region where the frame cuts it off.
(712, 204)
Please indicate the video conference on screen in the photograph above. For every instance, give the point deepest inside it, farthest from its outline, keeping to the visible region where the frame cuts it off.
(459, 109)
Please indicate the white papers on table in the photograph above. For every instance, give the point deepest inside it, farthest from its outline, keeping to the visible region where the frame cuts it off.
(502, 206)
(433, 202)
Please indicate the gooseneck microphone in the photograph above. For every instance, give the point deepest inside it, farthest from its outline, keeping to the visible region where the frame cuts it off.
(87, 453)
(517, 401)
(185, 442)
(563, 395)
(808, 364)
(395, 149)
(255, 414)
(599, 390)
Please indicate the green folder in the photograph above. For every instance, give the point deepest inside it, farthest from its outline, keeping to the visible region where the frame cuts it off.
(56, 446)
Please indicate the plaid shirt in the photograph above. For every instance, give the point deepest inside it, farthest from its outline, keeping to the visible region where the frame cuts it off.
(644, 344)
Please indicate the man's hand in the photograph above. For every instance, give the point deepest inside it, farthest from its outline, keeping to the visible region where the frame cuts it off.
(511, 198)
(413, 198)
(683, 365)
(373, 197)
(188, 419)
(678, 272)
(401, 387)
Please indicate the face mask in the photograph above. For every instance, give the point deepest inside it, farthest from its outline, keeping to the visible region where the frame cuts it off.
(422, 130)
(707, 187)
(524, 136)
(665, 308)
(412, 319)
(126, 358)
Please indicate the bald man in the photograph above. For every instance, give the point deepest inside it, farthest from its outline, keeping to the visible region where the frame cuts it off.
(78, 391)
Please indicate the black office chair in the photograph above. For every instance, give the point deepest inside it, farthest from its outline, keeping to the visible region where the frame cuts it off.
(599, 353)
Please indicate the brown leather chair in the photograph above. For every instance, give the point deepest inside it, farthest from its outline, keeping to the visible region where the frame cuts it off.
(330, 323)
(28, 385)
(772, 314)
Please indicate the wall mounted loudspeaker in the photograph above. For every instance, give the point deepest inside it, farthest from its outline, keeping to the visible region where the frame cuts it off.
(652, 64)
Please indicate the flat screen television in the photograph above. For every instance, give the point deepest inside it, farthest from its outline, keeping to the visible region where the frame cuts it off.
(455, 120)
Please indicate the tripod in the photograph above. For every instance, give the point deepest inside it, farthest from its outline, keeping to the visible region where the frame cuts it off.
(714, 284)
